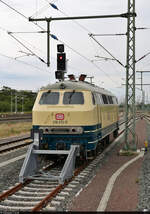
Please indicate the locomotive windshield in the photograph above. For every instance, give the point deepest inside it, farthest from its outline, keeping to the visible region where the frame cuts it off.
(49, 98)
(73, 98)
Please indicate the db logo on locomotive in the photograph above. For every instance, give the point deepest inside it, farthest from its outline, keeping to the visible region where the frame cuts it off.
(59, 116)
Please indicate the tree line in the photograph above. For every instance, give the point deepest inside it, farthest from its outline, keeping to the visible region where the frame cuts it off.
(12, 100)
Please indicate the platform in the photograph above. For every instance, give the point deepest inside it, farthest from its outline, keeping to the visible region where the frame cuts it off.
(126, 187)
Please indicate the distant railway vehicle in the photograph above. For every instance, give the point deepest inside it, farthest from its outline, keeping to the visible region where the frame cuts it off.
(74, 113)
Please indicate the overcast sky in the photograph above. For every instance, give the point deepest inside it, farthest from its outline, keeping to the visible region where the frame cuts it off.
(19, 71)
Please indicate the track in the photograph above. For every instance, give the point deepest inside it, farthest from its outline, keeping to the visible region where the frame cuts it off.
(14, 143)
(145, 116)
(34, 195)
(15, 118)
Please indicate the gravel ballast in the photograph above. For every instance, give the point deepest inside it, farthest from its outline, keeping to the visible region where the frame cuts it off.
(144, 179)
(9, 174)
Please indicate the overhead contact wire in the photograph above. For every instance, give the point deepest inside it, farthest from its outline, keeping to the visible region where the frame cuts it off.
(26, 47)
(14, 9)
(20, 61)
(19, 13)
(44, 29)
(91, 35)
(55, 7)
(87, 59)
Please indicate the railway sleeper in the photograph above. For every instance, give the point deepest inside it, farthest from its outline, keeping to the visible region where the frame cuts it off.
(31, 165)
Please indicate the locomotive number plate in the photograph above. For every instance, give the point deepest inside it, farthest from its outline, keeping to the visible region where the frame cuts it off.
(59, 116)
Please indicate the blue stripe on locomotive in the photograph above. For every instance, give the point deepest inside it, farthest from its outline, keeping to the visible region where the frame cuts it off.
(88, 140)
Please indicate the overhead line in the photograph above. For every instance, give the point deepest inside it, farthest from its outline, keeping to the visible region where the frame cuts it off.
(19, 13)
(142, 57)
(87, 30)
(20, 61)
(76, 22)
(61, 41)
(91, 35)
(14, 9)
(26, 47)
(87, 59)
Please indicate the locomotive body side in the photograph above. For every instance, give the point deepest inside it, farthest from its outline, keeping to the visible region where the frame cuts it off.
(73, 116)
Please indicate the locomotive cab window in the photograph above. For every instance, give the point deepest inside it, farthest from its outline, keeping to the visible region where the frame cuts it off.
(73, 98)
(49, 98)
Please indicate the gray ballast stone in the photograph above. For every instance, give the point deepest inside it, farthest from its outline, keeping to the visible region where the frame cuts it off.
(9, 208)
(29, 203)
(144, 180)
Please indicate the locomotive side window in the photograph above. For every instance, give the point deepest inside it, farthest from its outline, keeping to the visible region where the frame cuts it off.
(115, 100)
(104, 99)
(73, 98)
(97, 98)
(100, 99)
(49, 98)
(93, 99)
(110, 99)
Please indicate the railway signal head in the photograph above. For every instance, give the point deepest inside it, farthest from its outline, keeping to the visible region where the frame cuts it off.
(60, 48)
(61, 61)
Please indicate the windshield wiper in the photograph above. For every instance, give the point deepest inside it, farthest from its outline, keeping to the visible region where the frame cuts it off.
(48, 92)
(71, 94)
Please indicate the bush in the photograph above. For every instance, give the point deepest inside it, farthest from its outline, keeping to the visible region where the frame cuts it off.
(24, 98)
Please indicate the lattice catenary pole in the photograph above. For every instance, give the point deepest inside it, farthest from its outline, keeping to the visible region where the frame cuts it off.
(130, 137)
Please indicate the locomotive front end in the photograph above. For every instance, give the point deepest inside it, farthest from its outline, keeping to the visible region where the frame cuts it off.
(64, 118)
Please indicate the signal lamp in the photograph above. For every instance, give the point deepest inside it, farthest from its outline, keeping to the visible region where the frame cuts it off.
(60, 48)
(61, 61)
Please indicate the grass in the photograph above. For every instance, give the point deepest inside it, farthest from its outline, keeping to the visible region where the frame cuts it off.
(13, 129)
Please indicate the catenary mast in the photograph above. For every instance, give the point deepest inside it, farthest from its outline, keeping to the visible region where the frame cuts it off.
(130, 136)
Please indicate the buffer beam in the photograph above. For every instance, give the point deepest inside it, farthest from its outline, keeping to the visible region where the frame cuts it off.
(31, 166)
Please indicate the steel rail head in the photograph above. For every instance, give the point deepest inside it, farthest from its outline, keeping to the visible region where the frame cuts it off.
(45, 200)
(13, 190)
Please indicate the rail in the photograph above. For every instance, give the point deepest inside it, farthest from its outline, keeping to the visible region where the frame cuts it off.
(11, 143)
(42, 203)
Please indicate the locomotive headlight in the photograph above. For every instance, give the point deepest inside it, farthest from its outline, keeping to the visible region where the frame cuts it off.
(78, 130)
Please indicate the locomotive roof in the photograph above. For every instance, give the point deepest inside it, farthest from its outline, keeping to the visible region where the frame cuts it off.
(77, 85)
